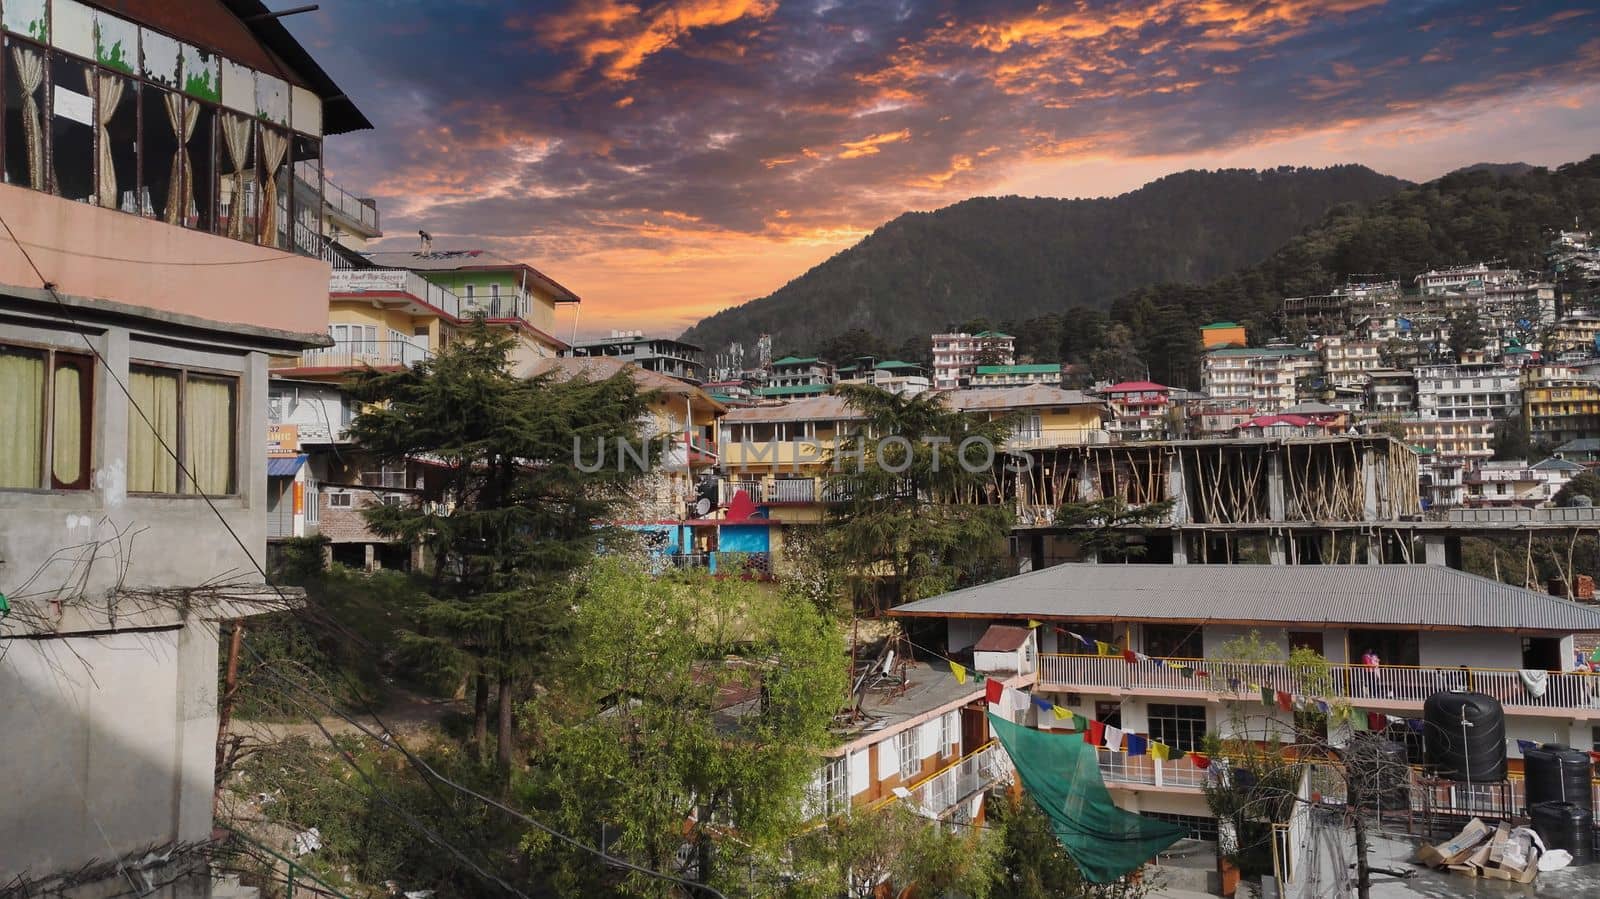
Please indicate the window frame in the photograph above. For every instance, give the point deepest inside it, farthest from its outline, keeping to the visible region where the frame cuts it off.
(834, 781)
(187, 486)
(1172, 726)
(88, 370)
(906, 753)
(349, 502)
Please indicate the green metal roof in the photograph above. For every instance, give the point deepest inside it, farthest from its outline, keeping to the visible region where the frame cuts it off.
(796, 390)
(1262, 351)
(796, 360)
(993, 334)
(895, 363)
(1041, 368)
(1214, 326)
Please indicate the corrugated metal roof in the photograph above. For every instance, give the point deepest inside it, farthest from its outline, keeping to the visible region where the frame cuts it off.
(1429, 596)
(598, 368)
(1002, 398)
(829, 407)
(284, 466)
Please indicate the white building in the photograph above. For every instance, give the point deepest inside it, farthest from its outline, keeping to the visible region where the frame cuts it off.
(1263, 378)
(957, 356)
(1477, 390)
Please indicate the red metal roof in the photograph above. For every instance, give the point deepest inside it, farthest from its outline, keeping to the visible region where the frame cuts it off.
(1134, 386)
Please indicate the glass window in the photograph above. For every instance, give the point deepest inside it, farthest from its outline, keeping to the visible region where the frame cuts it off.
(117, 115)
(200, 166)
(1181, 727)
(910, 764)
(835, 787)
(49, 410)
(307, 195)
(275, 188)
(153, 436)
(209, 432)
(25, 132)
(72, 128)
(160, 188)
(193, 415)
(1173, 641)
(237, 183)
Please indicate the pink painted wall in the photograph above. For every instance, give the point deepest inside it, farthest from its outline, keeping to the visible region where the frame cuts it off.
(260, 286)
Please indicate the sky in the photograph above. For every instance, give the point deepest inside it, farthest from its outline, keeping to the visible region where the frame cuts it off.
(668, 159)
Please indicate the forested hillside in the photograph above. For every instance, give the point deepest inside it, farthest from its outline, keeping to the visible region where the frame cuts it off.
(1466, 216)
(1016, 257)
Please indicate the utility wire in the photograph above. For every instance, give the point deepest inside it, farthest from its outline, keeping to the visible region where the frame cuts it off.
(394, 741)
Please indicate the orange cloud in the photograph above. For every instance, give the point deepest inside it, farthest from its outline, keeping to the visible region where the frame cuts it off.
(620, 36)
(868, 146)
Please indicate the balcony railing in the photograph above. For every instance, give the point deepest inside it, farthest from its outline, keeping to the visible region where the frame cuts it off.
(395, 280)
(1119, 768)
(1380, 686)
(943, 791)
(361, 211)
(362, 353)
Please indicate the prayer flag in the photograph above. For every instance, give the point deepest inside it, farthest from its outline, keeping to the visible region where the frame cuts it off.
(1267, 696)
(1129, 656)
(1524, 746)
(1377, 721)
(1285, 701)
(1200, 759)
(1137, 744)
(994, 691)
(959, 671)
(1095, 733)
(1358, 721)
(1415, 724)
(1060, 713)
(1079, 722)
(1113, 738)
(1032, 623)
(1159, 750)
(1044, 705)
(1103, 648)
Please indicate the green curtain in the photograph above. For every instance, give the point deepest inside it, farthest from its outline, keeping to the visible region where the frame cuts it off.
(208, 434)
(22, 435)
(150, 468)
(1062, 774)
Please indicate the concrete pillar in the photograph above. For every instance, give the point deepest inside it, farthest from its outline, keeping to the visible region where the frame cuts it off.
(1434, 550)
(196, 750)
(1176, 490)
(1277, 551)
(1275, 492)
(1375, 549)
(1369, 485)
(370, 560)
(1180, 550)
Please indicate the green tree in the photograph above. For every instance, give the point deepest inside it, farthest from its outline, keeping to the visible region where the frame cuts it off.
(1101, 527)
(911, 518)
(689, 715)
(852, 344)
(1117, 358)
(518, 512)
(1034, 865)
(1466, 333)
(894, 847)
(1585, 484)
(1511, 438)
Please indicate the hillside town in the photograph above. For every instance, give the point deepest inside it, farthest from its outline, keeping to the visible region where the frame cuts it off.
(343, 562)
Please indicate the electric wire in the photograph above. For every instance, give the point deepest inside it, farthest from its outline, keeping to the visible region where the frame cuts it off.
(394, 740)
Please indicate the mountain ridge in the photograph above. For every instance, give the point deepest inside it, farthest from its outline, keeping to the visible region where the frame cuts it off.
(1010, 257)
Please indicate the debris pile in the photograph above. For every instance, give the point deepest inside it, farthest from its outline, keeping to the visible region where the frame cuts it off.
(1500, 853)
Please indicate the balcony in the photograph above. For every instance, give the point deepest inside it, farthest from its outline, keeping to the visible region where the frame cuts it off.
(358, 212)
(1046, 438)
(948, 791)
(395, 281)
(356, 354)
(1388, 686)
(778, 491)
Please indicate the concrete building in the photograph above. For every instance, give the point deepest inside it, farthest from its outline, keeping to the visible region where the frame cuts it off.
(1559, 404)
(956, 356)
(1454, 439)
(1390, 393)
(1016, 375)
(800, 371)
(1477, 390)
(891, 376)
(1264, 378)
(139, 306)
(1432, 627)
(1347, 362)
(1140, 410)
(673, 358)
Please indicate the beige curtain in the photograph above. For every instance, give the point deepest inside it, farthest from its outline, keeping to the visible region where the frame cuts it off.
(274, 147)
(22, 434)
(180, 188)
(208, 435)
(29, 68)
(236, 137)
(150, 468)
(66, 426)
(108, 91)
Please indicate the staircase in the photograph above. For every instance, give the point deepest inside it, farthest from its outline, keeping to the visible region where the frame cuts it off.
(227, 886)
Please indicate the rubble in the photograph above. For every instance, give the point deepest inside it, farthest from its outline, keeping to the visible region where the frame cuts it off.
(1502, 853)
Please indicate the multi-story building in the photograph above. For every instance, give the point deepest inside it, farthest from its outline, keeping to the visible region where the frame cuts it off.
(892, 376)
(511, 296)
(1577, 330)
(1431, 627)
(1558, 404)
(1346, 362)
(1344, 305)
(1504, 484)
(1390, 393)
(1139, 410)
(1045, 416)
(162, 184)
(673, 358)
(1461, 278)
(1020, 375)
(1264, 378)
(957, 355)
(795, 376)
(1476, 390)
(1452, 439)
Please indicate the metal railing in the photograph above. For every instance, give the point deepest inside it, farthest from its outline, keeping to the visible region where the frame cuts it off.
(361, 353)
(1400, 684)
(1119, 768)
(396, 280)
(361, 211)
(279, 868)
(942, 791)
(1049, 437)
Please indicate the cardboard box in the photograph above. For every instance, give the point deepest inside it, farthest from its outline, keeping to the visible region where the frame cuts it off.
(1457, 848)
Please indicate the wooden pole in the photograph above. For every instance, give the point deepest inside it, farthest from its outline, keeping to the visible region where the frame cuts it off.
(225, 707)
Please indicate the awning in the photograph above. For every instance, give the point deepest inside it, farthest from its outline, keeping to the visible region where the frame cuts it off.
(284, 466)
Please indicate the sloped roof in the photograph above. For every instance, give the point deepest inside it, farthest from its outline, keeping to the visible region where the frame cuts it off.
(1033, 368)
(828, 407)
(1554, 464)
(1002, 638)
(1134, 387)
(1028, 397)
(796, 360)
(598, 368)
(1581, 445)
(792, 390)
(1409, 596)
(472, 260)
(1217, 326)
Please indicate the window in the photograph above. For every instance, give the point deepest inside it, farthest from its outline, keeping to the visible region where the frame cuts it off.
(1181, 727)
(46, 438)
(1173, 641)
(910, 763)
(338, 500)
(238, 207)
(192, 414)
(835, 786)
(72, 127)
(1200, 828)
(313, 508)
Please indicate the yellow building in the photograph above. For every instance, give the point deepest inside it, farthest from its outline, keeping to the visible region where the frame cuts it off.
(1558, 404)
(1046, 416)
(379, 317)
(1221, 334)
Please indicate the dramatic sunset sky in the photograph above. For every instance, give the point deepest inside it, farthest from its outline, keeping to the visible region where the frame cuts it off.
(668, 159)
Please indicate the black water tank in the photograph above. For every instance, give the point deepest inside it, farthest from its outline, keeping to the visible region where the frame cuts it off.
(1558, 773)
(1379, 773)
(1565, 825)
(1475, 752)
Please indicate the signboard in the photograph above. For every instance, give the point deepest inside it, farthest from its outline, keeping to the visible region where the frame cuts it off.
(283, 440)
(357, 280)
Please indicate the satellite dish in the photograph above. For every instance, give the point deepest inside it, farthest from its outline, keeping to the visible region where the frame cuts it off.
(702, 507)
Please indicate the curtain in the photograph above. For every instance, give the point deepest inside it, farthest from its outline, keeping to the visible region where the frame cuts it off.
(108, 90)
(208, 435)
(22, 436)
(29, 66)
(66, 426)
(236, 137)
(274, 147)
(180, 188)
(150, 468)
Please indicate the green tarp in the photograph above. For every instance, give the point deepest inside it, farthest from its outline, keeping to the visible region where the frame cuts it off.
(1061, 773)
